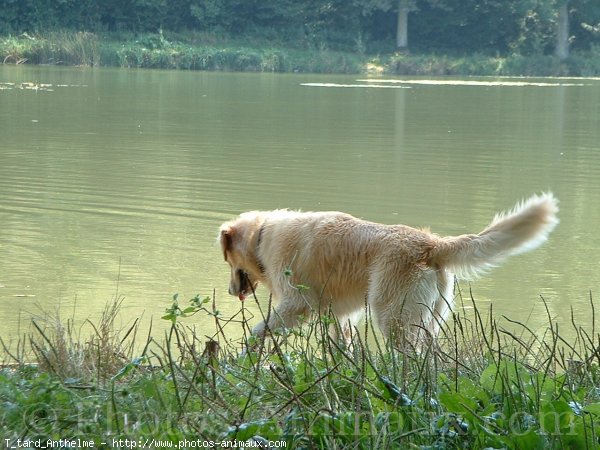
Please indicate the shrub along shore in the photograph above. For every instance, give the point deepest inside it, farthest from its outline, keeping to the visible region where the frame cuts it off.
(202, 52)
(481, 386)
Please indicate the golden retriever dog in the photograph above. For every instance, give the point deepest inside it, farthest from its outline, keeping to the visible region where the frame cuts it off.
(321, 261)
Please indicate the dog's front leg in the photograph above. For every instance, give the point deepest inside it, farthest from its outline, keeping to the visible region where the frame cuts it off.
(260, 330)
(286, 315)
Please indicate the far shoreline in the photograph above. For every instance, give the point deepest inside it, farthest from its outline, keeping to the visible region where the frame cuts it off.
(154, 51)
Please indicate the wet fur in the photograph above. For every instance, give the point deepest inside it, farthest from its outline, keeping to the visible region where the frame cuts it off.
(404, 275)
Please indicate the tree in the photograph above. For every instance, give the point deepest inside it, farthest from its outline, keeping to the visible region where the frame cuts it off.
(486, 26)
(401, 9)
(402, 24)
(584, 16)
(562, 30)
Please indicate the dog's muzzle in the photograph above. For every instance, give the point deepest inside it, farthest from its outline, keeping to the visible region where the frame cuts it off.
(246, 287)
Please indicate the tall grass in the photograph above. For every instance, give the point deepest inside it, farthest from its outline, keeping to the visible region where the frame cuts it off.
(585, 64)
(156, 51)
(481, 385)
(208, 52)
(57, 48)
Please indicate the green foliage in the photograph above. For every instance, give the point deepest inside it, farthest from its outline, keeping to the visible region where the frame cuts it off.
(481, 388)
(174, 312)
(495, 27)
(501, 37)
(168, 51)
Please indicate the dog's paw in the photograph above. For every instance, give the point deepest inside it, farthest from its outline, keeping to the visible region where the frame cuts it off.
(259, 330)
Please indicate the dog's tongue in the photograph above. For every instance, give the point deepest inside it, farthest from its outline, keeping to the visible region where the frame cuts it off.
(242, 296)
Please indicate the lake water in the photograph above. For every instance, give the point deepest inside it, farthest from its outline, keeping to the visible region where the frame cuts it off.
(123, 176)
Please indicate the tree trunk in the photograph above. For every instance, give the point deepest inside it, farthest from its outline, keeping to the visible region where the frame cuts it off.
(562, 33)
(402, 29)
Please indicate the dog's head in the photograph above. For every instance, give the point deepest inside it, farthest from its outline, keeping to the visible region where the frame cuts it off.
(239, 241)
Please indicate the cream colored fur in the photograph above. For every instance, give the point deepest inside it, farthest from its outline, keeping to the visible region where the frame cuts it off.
(404, 275)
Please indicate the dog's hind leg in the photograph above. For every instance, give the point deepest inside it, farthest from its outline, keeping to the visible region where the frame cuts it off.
(344, 327)
(404, 309)
(443, 303)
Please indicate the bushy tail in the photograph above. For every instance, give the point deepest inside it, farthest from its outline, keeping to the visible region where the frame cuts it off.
(523, 228)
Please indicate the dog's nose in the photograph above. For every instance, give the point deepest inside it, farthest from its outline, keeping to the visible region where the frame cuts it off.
(232, 290)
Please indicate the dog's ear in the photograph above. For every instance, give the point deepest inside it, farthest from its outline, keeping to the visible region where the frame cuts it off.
(226, 239)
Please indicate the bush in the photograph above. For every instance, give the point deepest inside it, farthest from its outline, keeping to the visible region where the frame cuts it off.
(208, 52)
